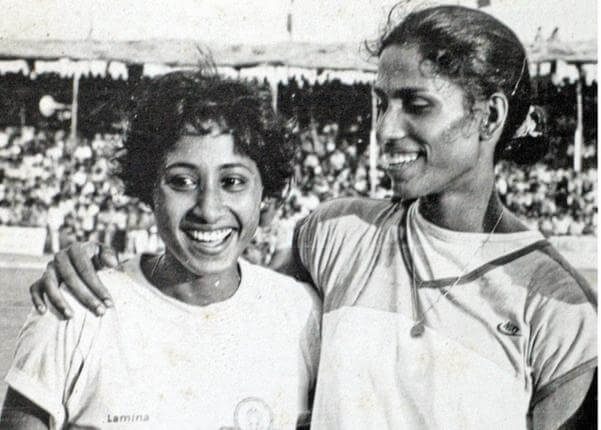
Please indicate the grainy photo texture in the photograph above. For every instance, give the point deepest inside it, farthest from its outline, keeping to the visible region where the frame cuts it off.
(295, 214)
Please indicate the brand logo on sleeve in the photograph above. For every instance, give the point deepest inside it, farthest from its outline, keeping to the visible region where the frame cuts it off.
(509, 328)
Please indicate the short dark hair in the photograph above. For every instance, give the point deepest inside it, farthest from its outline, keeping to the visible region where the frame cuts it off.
(180, 103)
(480, 54)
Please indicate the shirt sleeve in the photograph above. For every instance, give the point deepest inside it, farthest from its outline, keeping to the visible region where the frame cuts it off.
(311, 338)
(563, 341)
(47, 360)
(313, 243)
(301, 241)
(310, 342)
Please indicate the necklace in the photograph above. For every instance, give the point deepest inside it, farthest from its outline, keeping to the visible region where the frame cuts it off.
(417, 329)
(157, 263)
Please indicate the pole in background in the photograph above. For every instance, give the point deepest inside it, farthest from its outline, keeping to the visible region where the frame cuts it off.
(289, 20)
(74, 106)
(373, 146)
(274, 84)
(289, 28)
(22, 117)
(579, 134)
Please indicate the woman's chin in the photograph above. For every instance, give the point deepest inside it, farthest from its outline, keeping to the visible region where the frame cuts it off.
(199, 265)
(403, 193)
(211, 267)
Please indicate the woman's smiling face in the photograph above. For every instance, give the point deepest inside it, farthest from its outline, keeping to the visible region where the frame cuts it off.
(207, 202)
(427, 136)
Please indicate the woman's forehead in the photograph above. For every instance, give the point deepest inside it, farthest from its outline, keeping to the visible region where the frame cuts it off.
(400, 64)
(399, 59)
(403, 67)
(218, 148)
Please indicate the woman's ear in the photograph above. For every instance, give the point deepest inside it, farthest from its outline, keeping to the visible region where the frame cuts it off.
(492, 124)
(268, 210)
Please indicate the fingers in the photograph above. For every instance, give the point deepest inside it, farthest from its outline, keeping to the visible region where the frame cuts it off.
(49, 285)
(70, 268)
(35, 291)
(83, 256)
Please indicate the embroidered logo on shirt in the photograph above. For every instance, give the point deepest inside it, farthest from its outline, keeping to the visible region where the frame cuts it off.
(509, 328)
(252, 413)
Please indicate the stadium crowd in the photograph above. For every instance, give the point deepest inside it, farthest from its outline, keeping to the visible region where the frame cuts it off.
(47, 180)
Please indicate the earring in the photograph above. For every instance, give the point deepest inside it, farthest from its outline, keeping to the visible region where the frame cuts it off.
(485, 129)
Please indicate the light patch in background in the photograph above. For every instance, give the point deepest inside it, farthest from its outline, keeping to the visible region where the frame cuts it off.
(264, 21)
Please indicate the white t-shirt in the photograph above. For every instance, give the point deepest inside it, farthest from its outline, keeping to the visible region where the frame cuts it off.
(518, 325)
(153, 362)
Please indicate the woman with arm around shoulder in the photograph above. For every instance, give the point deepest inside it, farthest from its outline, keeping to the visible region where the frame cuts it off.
(446, 311)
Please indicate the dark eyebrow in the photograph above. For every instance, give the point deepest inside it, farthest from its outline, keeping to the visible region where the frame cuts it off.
(189, 166)
(192, 166)
(401, 92)
(233, 166)
(180, 164)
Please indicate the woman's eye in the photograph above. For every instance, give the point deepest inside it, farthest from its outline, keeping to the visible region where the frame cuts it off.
(417, 105)
(233, 182)
(182, 182)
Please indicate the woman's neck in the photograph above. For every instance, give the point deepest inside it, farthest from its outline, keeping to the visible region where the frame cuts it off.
(167, 274)
(473, 211)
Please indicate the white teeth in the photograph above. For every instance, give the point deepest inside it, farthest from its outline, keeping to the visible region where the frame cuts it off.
(390, 159)
(210, 236)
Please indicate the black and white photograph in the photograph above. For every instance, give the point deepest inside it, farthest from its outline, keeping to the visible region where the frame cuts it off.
(298, 214)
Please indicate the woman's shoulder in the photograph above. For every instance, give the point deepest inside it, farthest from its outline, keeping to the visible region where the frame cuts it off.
(554, 279)
(351, 216)
(561, 311)
(361, 207)
(282, 288)
(124, 279)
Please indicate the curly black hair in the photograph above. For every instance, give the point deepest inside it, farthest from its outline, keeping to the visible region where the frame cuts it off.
(180, 103)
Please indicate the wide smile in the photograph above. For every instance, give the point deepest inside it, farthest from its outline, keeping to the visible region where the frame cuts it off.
(210, 241)
(400, 160)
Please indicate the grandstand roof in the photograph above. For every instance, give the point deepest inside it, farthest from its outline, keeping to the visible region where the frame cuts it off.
(277, 61)
(583, 52)
(188, 52)
(316, 62)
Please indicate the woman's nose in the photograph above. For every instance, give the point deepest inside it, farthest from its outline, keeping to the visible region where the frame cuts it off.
(391, 125)
(209, 205)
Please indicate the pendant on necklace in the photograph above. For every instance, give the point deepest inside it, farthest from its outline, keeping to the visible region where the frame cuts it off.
(417, 330)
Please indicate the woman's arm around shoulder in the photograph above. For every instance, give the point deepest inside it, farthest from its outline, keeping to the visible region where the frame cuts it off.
(75, 268)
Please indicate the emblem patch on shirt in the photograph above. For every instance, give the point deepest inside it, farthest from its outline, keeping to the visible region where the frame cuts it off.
(252, 413)
(509, 328)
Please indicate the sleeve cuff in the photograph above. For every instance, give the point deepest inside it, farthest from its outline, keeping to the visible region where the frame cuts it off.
(552, 386)
(38, 394)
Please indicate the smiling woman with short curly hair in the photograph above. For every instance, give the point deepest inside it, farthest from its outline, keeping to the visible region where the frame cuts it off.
(197, 337)
(179, 104)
